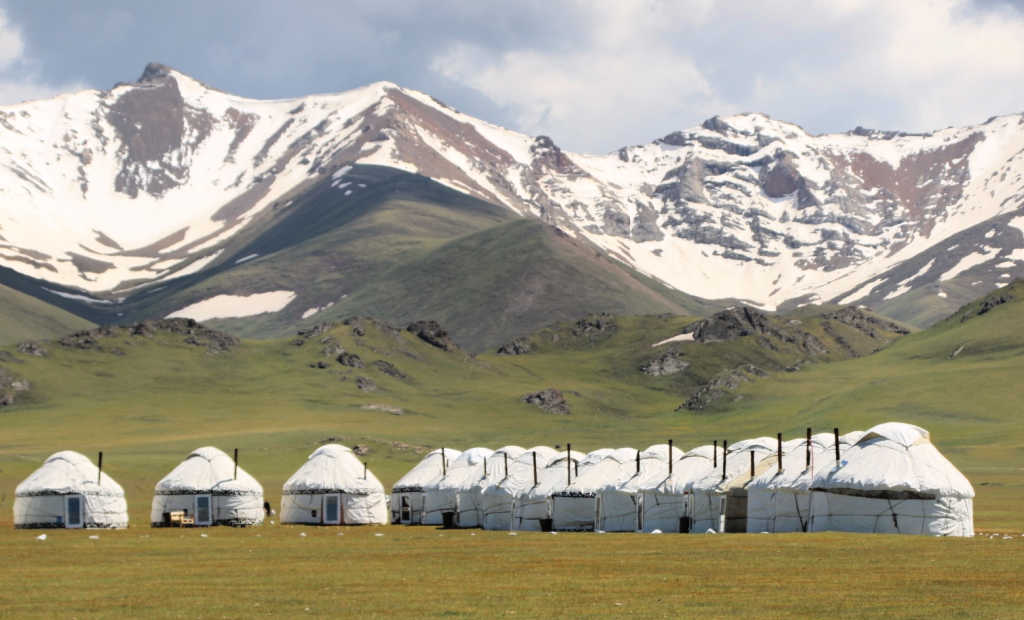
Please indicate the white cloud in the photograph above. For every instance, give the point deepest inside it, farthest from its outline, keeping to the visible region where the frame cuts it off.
(630, 71)
(18, 82)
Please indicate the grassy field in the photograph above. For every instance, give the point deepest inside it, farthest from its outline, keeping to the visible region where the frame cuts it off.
(148, 401)
(423, 571)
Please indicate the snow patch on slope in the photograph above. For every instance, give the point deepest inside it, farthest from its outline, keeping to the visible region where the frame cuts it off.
(234, 306)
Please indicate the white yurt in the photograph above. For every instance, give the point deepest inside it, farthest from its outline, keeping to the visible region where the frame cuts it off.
(210, 489)
(498, 500)
(470, 500)
(333, 487)
(574, 506)
(69, 491)
(440, 496)
(669, 506)
(532, 509)
(407, 494)
(893, 480)
(619, 507)
(779, 498)
(719, 499)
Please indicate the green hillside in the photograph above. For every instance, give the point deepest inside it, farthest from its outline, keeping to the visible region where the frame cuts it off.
(23, 317)
(148, 395)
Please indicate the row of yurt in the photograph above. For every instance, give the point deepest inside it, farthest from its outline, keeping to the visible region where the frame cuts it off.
(207, 488)
(889, 479)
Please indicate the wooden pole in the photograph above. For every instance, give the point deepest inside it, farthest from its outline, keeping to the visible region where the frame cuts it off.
(534, 468)
(725, 455)
(835, 431)
(568, 463)
(236, 463)
(669, 457)
(714, 455)
(808, 446)
(99, 472)
(778, 437)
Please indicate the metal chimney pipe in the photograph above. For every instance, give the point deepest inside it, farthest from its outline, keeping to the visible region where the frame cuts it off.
(835, 431)
(637, 461)
(714, 456)
(506, 465)
(751, 464)
(444, 464)
(236, 464)
(99, 468)
(669, 457)
(534, 468)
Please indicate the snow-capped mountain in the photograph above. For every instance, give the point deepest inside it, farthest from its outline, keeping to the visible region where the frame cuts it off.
(108, 193)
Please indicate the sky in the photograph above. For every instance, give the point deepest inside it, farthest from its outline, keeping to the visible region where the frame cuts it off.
(594, 75)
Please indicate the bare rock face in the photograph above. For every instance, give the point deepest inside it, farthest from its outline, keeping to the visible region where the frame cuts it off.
(432, 333)
(365, 384)
(550, 400)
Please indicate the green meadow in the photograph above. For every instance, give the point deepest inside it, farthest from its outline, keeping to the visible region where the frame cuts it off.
(147, 401)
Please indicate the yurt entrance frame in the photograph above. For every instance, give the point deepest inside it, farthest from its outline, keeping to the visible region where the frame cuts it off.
(332, 509)
(204, 514)
(73, 511)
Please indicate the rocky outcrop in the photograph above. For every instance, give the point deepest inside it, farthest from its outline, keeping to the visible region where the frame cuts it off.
(350, 360)
(722, 385)
(32, 348)
(11, 386)
(595, 326)
(389, 369)
(670, 363)
(432, 333)
(518, 346)
(365, 384)
(550, 400)
(194, 334)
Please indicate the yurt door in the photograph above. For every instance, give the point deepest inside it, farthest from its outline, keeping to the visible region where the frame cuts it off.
(202, 510)
(332, 509)
(73, 511)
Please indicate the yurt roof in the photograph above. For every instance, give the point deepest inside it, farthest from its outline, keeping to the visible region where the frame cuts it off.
(333, 468)
(208, 470)
(67, 472)
(895, 459)
(426, 471)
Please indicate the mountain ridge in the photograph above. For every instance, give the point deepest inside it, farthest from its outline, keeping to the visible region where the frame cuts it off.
(148, 183)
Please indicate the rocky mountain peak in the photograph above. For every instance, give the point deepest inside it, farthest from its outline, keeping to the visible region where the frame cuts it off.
(154, 72)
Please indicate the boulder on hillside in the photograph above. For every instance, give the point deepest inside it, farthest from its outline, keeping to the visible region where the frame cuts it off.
(351, 360)
(32, 348)
(669, 363)
(11, 386)
(550, 400)
(518, 346)
(432, 333)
